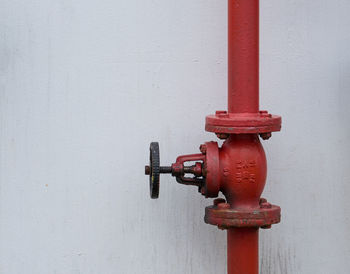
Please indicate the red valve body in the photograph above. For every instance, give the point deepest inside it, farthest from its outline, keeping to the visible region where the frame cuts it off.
(238, 170)
(243, 170)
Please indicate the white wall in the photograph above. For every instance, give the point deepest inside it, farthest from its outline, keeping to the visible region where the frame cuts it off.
(86, 85)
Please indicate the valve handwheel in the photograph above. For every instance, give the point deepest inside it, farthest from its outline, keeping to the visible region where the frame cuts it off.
(153, 170)
(177, 169)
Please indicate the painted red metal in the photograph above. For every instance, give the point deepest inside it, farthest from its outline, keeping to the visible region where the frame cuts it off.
(243, 115)
(212, 175)
(238, 168)
(243, 250)
(178, 169)
(243, 56)
(242, 157)
(226, 217)
(241, 123)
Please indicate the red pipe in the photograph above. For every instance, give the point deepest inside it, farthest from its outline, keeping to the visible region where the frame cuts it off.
(243, 250)
(243, 56)
(243, 97)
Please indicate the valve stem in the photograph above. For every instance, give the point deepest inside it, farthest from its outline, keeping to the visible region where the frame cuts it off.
(162, 169)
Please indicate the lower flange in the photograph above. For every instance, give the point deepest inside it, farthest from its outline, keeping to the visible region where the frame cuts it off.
(224, 217)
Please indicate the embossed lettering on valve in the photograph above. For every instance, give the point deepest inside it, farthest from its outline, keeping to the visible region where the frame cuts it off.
(245, 171)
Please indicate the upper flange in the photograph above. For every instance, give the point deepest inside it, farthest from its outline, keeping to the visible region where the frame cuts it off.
(240, 123)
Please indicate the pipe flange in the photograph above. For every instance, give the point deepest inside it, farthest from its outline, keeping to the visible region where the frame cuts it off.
(241, 123)
(224, 217)
(211, 187)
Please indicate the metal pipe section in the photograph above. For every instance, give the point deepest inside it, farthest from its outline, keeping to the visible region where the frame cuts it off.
(243, 56)
(243, 251)
(243, 97)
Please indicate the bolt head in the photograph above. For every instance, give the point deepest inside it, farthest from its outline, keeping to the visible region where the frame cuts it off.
(219, 201)
(265, 205)
(223, 206)
(203, 149)
(262, 200)
(265, 136)
(220, 112)
(222, 136)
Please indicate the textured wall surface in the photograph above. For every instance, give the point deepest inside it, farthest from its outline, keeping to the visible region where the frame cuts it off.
(86, 85)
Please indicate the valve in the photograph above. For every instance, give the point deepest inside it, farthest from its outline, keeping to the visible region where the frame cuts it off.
(177, 169)
(237, 168)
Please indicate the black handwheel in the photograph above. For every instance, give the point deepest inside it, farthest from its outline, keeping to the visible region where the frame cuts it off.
(154, 171)
(178, 170)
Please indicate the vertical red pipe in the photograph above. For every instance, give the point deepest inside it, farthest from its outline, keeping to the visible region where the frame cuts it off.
(243, 97)
(243, 251)
(243, 56)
